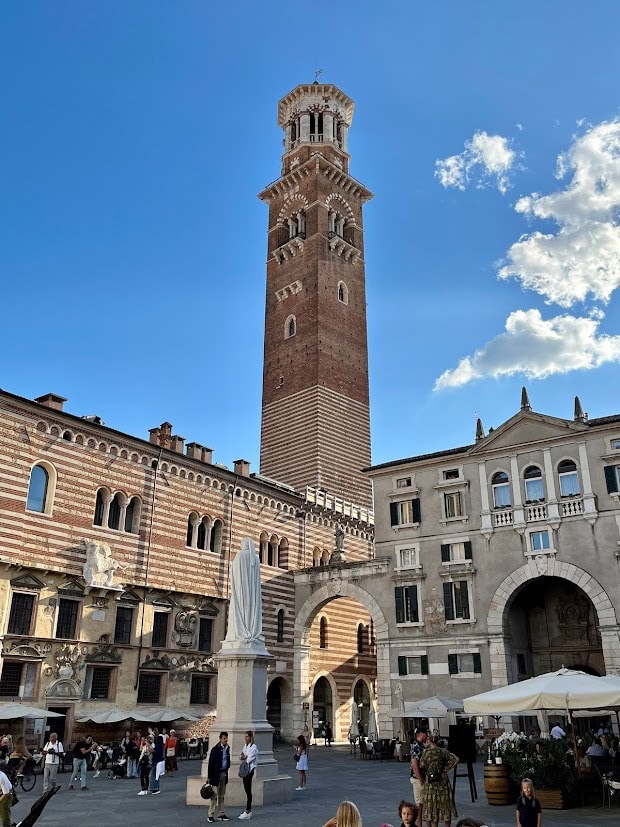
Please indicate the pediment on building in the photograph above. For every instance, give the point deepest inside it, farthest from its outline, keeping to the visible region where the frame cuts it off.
(157, 662)
(130, 597)
(26, 649)
(527, 427)
(208, 609)
(73, 588)
(104, 653)
(27, 581)
(64, 688)
(164, 601)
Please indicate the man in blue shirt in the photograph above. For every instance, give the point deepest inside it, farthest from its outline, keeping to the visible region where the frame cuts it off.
(217, 770)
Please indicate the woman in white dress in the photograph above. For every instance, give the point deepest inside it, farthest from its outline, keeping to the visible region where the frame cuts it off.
(301, 755)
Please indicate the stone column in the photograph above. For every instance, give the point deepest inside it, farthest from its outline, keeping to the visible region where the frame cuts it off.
(287, 132)
(345, 137)
(553, 508)
(304, 126)
(589, 500)
(515, 483)
(485, 514)
(328, 126)
(301, 684)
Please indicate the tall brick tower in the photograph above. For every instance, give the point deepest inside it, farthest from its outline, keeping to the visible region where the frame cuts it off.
(315, 417)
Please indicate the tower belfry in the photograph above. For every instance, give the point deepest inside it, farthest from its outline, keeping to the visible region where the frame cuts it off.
(315, 415)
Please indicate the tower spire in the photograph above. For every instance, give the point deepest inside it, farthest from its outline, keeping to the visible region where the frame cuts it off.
(525, 400)
(580, 416)
(479, 430)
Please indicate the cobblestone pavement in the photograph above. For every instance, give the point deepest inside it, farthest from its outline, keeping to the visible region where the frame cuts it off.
(376, 787)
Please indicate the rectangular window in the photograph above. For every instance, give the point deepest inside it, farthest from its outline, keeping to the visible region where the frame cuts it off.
(123, 625)
(405, 512)
(403, 482)
(456, 600)
(406, 600)
(456, 552)
(98, 683)
(160, 629)
(19, 680)
(453, 505)
(569, 484)
(20, 617)
(11, 679)
(407, 558)
(205, 635)
(413, 665)
(615, 445)
(199, 693)
(150, 688)
(534, 490)
(501, 495)
(612, 478)
(467, 662)
(539, 540)
(452, 474)
(68, 611)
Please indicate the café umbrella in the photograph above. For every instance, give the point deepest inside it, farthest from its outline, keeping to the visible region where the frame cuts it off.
(13, 711)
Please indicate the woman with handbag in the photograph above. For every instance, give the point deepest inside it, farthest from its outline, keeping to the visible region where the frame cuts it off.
(301, 761)
(249, 755)
(144, 765)
(437, 800)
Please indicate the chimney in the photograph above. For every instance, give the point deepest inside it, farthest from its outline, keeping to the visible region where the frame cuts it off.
(242, 467)
(207, 455)
(51, 400)
(165, 435)
(193, 450)
(177, 443)
(154, 435)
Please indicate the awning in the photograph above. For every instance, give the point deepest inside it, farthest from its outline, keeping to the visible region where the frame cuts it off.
(150, 715)
(13, 711)
(436, 706)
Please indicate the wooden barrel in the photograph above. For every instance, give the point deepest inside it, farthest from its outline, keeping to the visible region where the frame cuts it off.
(497, 784)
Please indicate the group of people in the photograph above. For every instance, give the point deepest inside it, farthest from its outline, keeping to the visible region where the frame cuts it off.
(217, 776)
(528, 811)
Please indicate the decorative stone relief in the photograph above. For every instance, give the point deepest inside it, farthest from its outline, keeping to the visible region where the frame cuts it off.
(541, 562)
(104, 653)
(185, 624)
(99, 567)
(26, 648)
(68, 660)
(64, 688)
(290, 290)
(434, 614)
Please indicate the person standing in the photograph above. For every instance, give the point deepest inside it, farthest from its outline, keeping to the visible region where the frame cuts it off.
(249, 754)
(157, 759)
(417, 782)
(130, 751)
(217, 776)
(307, 735)
(329, 735)
(301, 754)
(171, 752)
(83, 748)
(437, 797)
(52, 752)
(144, 764)
(557, 732)
(529, 811)
(6, 800)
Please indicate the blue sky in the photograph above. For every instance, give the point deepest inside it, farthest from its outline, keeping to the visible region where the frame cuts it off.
(132, 245)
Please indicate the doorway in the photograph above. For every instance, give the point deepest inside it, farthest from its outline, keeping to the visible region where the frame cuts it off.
(322, 705)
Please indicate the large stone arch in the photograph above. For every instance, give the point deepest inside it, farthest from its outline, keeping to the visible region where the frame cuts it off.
(541, 566)
(301, 660)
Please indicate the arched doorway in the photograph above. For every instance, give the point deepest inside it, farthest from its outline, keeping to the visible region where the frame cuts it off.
(361, 698)
(543, 568)
(552, 623)
(322, 706)
(280, 708)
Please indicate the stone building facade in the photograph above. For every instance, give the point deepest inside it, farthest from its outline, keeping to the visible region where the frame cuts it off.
(502, 557)
(115, 554)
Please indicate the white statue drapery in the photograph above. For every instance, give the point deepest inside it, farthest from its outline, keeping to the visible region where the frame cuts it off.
(245, 615)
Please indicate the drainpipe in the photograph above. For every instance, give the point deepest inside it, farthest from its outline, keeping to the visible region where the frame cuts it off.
(155, 467)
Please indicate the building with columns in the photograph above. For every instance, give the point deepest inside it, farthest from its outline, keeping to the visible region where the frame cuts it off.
(502, 557)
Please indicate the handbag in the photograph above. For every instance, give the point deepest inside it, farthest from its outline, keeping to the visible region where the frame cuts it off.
(244, 769)
(206, 791)
(170, 752)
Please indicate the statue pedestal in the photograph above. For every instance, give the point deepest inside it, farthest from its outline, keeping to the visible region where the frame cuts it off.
(241, 706)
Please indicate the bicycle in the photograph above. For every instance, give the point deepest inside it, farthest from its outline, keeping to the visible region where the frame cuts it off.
(26, 780)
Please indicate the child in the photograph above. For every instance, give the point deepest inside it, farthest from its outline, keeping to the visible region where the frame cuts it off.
(529, 811)
(408, 813)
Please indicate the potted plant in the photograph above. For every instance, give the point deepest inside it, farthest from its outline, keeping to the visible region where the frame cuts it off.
(549, 766)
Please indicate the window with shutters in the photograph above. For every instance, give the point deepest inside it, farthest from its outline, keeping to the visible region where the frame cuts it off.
(405, 512)
(159, 637)
(406, 603)
(68, 614)
(205, 635)
(123, 625)
(456, 599)
(612, 479)
(465, 664)
(456, 552)
(21, 614)
(416, 665)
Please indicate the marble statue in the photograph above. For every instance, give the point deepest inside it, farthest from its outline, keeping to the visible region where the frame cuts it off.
(100, 566)
(339, 538)
(245, 616)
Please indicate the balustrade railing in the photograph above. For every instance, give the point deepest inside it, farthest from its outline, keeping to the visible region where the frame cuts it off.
(570, 508)
(504, 517)
(535, 513)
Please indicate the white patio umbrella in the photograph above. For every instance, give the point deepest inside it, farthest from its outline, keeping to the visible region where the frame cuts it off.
(437, 706)
(13, 711)
(158, 715)
(111, 716)
(372, 720)
(565, 689)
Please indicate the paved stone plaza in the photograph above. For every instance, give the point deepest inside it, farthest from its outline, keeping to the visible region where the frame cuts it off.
(333, 775)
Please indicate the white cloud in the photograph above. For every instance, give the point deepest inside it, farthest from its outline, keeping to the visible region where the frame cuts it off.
(486, 159)
(537, 348)
(582, 258)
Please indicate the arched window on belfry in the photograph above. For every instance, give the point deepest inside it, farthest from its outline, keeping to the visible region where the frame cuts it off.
(290, 327)
(343, 293)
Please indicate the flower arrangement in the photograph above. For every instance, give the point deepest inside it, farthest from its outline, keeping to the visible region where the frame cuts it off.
(548, 764)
